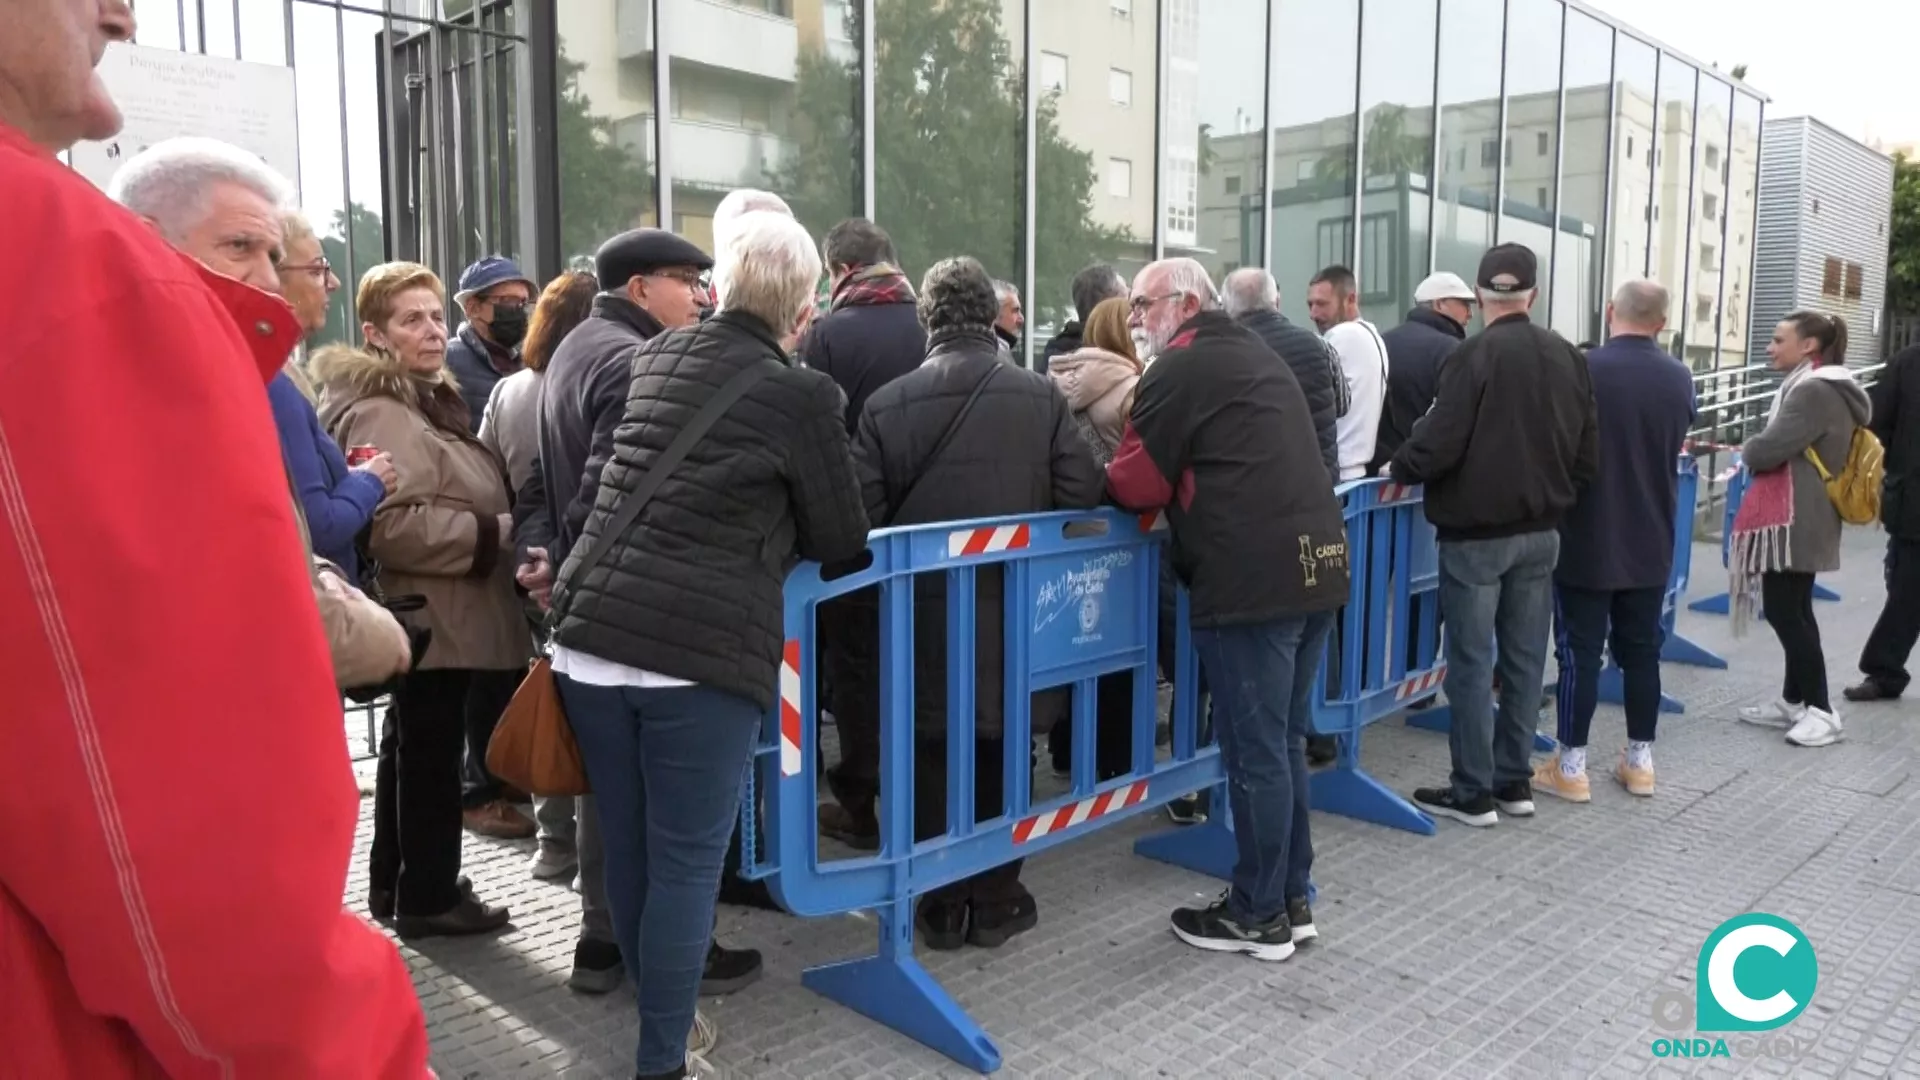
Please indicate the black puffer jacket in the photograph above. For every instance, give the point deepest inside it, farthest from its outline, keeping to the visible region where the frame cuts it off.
(693, 590)
(1069, 339)
(1315, 368)
(1415, 349)
(1017, 452)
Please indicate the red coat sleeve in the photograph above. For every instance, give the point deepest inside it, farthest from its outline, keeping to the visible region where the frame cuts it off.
(181, 811)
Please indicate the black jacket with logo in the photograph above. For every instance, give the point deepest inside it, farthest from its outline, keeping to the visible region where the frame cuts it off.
(1222, 437)
(1512, 436)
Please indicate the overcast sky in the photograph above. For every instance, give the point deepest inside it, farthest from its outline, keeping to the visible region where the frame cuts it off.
(1846, 62)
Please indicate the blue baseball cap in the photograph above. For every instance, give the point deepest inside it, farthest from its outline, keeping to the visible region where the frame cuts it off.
(488, 272)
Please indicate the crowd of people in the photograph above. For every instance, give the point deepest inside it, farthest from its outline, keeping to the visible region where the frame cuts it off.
(619, 468)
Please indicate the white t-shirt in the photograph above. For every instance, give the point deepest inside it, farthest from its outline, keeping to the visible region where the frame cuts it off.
(584, 668)
(1363, 356)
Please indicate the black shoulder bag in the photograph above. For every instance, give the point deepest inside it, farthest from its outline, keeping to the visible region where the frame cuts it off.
(628, 511)
(946, 437)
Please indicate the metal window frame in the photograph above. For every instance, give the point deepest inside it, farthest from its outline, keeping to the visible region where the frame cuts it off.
(1163, 27)
(869, 75)
(1726, 188)
(662, 120)
(1266, 140)
(1504, 150)
(1357, 168)
(1434, 166)
(1686, 198)
(1613, 153)
(1030, 170)
(1559, 164)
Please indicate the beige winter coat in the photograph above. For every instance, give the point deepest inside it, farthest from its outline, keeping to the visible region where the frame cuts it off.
(1099, 388)
(438, 535)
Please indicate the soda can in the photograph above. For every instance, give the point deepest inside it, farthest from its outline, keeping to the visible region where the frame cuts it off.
(360, 455)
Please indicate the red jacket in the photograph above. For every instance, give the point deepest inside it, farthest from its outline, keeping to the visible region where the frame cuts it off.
(177, 797)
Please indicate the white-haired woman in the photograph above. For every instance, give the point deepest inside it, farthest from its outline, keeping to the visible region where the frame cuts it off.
(667, 613)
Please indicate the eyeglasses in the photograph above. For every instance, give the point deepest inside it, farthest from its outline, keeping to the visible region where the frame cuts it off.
(691, 278)
(1140, 304)
(319, 268)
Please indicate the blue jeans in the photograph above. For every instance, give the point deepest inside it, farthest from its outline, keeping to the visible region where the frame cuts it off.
(666, 767)
(1496, 589)
(1260, 677)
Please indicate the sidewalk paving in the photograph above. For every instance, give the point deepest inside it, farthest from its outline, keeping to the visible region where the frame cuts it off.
(1534, 949)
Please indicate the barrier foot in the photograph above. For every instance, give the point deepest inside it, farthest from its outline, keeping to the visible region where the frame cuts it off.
(1679, 650)
(1353, 793)
(1715, 604)
(1613, 691)
(1207, 848)
(896, 991)
(1821, 592)
(1440, 719)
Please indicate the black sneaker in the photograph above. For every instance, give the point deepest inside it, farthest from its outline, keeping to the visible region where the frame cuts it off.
(1440, 803)
(1515, 798)
(1185, 810)
(991, 925)
(1871, 689)
(1321, 750)
(1300, 918)
(597, 968)
(1211, 928)
(728, 970)
(942, 924)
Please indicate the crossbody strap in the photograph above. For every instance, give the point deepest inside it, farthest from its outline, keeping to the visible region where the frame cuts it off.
(628, 509)
(946, 437)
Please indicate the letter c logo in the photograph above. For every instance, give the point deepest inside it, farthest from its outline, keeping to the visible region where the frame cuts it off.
(1720, 981)
(1784, 974)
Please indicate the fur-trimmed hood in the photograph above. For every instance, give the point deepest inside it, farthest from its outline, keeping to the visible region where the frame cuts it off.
(346, 376)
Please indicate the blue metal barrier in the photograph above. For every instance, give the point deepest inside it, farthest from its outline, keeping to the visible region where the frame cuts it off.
(1081, 594)
(1737, 478)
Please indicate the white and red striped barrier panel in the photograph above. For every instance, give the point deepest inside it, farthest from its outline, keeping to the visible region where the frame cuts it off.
(1392, 492)
(964, 542)
(1421, 685)
(1153, 521)
(790, 758)
(1068, 816)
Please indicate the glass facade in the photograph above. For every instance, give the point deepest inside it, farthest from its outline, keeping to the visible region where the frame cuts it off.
(1395, 137)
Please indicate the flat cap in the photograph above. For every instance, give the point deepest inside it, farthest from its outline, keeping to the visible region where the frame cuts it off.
(641, 251)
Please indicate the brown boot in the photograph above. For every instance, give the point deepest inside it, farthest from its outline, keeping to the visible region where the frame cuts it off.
(499, 820)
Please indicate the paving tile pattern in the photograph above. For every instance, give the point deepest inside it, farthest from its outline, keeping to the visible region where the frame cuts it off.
(1534, 949)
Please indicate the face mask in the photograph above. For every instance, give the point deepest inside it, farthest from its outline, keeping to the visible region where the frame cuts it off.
(509, 326)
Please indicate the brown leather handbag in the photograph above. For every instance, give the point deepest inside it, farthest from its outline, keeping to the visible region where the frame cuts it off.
(533, 747)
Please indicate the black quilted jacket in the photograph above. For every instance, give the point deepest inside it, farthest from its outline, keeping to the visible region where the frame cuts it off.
(693, 590)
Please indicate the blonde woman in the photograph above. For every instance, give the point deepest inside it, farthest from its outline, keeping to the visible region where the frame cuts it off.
(444, 535)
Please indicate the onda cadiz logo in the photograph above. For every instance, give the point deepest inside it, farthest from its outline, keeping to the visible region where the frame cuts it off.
(1755, 973)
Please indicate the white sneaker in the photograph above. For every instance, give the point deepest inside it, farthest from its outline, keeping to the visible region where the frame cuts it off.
(1775, 714)
(1816, 727)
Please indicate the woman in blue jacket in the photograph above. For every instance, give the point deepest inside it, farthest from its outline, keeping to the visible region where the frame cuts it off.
(338, 500)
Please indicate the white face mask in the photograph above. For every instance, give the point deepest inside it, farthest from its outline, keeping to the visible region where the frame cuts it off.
(1142, 344)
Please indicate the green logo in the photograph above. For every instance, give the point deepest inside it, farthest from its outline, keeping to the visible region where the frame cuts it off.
(1756, 972)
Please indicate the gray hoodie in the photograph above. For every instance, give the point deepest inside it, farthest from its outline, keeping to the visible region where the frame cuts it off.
(1819, 409)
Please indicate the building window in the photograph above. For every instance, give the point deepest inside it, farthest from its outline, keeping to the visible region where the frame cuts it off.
(1703, 309)
(1232, 184)
(1854, 280)
(1541, 141)
(1712, 156)
(1831, 277)
(1333, 242)
(1509, 143)
(1540, 197)
(1120, 86)
(1707, 255)
(1460, 160)
(1710, 207)
(1489, 153)
(1120, 178)
(1306, 170)
(1629, 147)
(1053, 73)
(1816, 206)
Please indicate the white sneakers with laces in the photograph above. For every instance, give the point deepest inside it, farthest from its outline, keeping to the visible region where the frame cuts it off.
(1777, 713)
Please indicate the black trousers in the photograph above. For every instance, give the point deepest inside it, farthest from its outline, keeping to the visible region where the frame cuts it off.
(1884, 660)
(1000, 884)
(850, 663)
(416, 794)
(1584, 622)
(1113, 729)
(490, 691)
(1787, 598)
